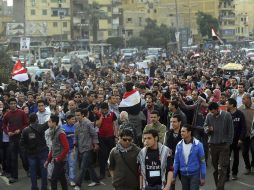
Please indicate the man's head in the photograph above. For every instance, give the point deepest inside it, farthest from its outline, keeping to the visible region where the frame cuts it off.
(186, 131)
(104, 108)
(70, 118)
(53, 121)
(126, 137)
(33, 118)
(100, 98)
(173, 105)
(231, 104)
(30, 98)
(151, 138)
(149, 103)
(124, 116)
(80, 114)
(240, 88)
(213, 108)
(112, 100)
(246, 100)
(77, 97)
(91, 96)
(72, 105)
(223, 98)
(176, 121)
(12, 104)
(155, 116)
(41, 106)
(52, 101)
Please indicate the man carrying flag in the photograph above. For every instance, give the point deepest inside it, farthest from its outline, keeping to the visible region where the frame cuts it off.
(19, 73)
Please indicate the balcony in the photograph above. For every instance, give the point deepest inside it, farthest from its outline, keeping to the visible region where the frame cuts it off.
(229, 17)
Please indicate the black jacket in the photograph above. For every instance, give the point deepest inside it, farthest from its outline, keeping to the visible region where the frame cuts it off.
(170, 141)
(32, 140)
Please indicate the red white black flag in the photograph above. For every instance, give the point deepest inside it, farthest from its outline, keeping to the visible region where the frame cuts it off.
(19, 73)
(215, 36)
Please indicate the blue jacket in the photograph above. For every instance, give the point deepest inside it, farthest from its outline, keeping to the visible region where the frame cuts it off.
(196, 163)
(69, 131)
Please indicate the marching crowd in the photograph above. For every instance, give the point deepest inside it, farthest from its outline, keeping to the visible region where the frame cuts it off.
(144, 127)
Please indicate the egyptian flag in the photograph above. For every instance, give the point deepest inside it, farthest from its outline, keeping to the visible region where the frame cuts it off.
(216, 37)
(19, 73)
(131, 102)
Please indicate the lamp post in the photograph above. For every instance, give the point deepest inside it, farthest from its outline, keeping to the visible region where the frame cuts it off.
(177, 28)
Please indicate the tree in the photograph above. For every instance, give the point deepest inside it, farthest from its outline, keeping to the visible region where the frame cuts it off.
(5, 66)
(136, 42)
(116, 42)
(94, 14)
(205, 22)
(157, 36)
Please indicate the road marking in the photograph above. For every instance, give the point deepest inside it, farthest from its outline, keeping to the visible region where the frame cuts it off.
(5, 179)
(246, 184)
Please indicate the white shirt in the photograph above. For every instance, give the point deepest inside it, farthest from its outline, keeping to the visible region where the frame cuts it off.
(186, 151)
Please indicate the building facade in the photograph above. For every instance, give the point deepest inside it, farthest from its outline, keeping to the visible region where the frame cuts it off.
(179, 14)
(6, 16)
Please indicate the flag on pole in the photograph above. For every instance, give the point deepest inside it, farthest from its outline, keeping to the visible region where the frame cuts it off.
(215, 36)
(19, 73)
(131, 102)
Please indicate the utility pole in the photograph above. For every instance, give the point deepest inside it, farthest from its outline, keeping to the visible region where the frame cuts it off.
(61, 23)
(177, 27)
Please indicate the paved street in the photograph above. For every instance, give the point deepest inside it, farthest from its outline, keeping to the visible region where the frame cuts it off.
(244, 182)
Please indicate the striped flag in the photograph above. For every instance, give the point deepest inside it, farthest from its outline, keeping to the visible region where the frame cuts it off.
(19, 73)
(215, 36)
(131, 102)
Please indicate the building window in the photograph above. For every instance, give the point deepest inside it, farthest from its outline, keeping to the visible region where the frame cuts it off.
(44, 12)
(130, 33)
(242, 30)
(54, 24)
(140, 21)
(32, 12)
(65, 24)
(129, 19)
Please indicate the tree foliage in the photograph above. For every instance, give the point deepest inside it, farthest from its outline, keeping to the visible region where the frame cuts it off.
(136, 42)
(5, 66)
(205, 22)
(157, 36)
(116, 42)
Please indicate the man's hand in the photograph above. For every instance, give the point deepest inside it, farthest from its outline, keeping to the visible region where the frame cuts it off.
(96, 147)
(173, 181)
(46, 164)
(17, 131)
(202, 182)
(11, 134)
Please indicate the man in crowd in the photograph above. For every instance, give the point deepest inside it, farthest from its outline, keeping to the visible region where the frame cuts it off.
(219, 127)
(43, 114)
(13, 123)
(156, 164)
(155, 124)
(123, 162)
(239, 134)
(86, 141)
(248, 111)
(107, 134)
(58, 153)
(33, 143)
(190, 160)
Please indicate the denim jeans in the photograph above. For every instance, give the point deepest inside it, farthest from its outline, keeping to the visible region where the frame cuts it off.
(86, 165)
(190, 182)
(58, 174)
(34, 160)
(71, 170)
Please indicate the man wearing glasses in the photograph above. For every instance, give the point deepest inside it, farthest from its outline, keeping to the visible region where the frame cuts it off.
(123, 162)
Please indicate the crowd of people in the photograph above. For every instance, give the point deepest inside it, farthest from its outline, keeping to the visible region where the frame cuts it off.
(144, 127)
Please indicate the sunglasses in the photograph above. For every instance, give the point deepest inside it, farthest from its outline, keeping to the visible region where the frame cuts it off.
(127, 139)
